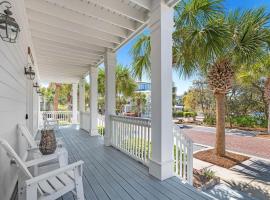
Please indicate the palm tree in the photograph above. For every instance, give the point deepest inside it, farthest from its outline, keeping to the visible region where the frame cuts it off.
(267, 98)
(208, 40)
(125, 85)
(139, 99)
(141, 57)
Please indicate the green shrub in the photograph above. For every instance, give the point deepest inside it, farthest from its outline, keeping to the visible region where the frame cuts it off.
(208, 174)
(178, 114)
(190, 114)
(209, 120)
(101, 130)
(249, 121)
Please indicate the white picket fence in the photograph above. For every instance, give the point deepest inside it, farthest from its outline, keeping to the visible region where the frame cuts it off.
(183, 155)
(64, 117)
(132, 136)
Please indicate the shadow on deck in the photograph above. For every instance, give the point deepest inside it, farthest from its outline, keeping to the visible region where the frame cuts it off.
(110, 174)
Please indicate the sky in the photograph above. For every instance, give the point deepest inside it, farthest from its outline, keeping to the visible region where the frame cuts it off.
(124, 58)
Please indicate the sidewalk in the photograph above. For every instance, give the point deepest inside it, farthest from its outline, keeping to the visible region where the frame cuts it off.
(251, 176)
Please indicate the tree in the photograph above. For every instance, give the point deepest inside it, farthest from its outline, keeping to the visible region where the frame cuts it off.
(208, 39)
(141, 57)
(257, 75)
(220, 45)
(125, 86)
(139, 99)
(267, 97)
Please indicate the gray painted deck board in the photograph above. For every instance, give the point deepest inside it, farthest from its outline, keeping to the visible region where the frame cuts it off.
(110, 174)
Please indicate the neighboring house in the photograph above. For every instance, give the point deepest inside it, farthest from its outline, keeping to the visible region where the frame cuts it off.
(145, 88)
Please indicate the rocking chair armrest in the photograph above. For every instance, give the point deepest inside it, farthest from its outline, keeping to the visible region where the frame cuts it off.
(41, 160)
(54, 173)
(59, 139)
(30, 149)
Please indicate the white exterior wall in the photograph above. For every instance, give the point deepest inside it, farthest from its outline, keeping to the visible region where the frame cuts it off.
(13, 98)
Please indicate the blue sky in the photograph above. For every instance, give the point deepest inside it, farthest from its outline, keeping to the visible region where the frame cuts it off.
(124, 58)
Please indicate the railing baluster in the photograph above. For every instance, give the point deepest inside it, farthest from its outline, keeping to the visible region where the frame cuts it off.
(132, 136)
(144, 144)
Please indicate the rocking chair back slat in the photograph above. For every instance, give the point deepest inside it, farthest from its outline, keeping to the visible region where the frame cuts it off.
(25, 133)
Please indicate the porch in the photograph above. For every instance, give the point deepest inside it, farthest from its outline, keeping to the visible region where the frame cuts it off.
(110, 174)
(65, 41)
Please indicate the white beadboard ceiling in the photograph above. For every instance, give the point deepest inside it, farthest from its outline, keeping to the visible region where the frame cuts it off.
(69, 36)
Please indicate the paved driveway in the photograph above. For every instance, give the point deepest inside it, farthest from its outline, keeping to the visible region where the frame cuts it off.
(239, 141)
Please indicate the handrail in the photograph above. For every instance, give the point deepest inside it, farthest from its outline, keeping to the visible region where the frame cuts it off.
(64, 117)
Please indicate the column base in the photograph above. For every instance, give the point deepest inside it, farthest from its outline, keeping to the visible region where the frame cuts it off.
(93, 132)
(107, 141)
(161, 171)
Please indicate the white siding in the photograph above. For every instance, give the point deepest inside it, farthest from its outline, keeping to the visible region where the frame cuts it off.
(13, 98)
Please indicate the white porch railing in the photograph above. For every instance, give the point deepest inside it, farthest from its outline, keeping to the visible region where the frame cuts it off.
(64, 117)
(132, 136)
(101, 124)
(183, 155)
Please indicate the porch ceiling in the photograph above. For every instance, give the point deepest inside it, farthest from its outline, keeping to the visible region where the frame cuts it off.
(69, 36)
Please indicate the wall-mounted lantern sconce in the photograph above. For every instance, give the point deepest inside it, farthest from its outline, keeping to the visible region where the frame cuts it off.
(9, 28)
(36, 85)
(29, 72)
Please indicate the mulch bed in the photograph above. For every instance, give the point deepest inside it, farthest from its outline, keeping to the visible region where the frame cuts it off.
(267, 136)
(228, 161)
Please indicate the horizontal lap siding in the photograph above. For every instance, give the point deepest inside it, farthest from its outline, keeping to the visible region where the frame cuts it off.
(13, 98)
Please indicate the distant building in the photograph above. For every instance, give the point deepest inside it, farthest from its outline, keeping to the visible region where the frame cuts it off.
(143, 87)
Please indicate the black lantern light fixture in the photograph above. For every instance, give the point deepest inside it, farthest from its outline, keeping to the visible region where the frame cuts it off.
(29, 72)
(9, 28)
(36, 85)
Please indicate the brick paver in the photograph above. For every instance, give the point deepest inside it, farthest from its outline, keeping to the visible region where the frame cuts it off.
(242, 144)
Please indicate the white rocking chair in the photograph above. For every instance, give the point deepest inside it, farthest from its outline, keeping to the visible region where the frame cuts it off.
(61, 153)
(47, 186)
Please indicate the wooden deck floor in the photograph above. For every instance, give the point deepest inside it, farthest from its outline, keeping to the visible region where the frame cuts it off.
(110, 174)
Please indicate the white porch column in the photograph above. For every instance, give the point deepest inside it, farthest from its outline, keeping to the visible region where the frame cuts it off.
(81, 96)
(110, 63)
(74, 103)
(93, 100)
(161, 25)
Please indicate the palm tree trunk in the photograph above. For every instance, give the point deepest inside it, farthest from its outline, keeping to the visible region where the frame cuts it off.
(220, 124)
(56, 97)
(268, 118)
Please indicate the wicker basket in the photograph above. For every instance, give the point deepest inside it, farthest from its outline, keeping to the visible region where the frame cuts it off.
(47, 142)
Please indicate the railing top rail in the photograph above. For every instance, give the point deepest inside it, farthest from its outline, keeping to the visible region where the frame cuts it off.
(129, 117)
(132, 120)
(56, 111)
